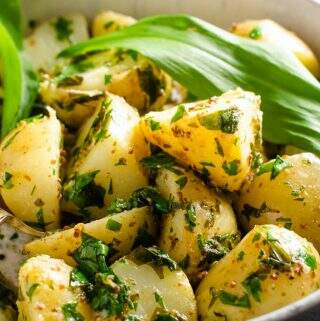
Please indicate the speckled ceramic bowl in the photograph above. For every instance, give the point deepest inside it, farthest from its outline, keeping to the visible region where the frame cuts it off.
(301, 16)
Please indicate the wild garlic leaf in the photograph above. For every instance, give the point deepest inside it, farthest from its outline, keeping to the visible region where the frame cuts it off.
(208, 61)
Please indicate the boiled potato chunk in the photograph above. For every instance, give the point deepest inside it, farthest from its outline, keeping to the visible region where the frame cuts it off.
(216, 137)
(286, 194)
(270, 268)
(271, 32)
(51, 37)
(45, 291)
(161, 289)
(29, 168)
(110, 21)
(123, 73)
(105, 162)
(202, 230)
(125, 229)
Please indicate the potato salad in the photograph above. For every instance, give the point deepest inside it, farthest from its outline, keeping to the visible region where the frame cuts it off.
(125, 196)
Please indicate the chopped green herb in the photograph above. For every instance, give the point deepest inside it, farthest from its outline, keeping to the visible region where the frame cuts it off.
(153, 124)
(256, 237)
(159, 299)
(240, 256)
(63, 28)
(108, 24)
(7, 182)
(178, 114)
(274, 166)
(256, 33)
(234, 300)
(251, 212)
(113, 225)
(107, 79)
(143, 238)
(209, 164)
(31, 290)
(155, 256)
(285, 221)
(110, 189)
(253, 285)
(70, 313)
(40, 219)
(310, 260)
(77, 278)
(167, 316)
(14, 236)
(91, 255)
(219, 147)
(231, 168)
(182, 181)
(161, 160)
(83, 192)
(191, 217)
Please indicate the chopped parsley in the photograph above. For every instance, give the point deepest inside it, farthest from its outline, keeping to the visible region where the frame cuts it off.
(113, 225)
(256, 237)
(153, 124)
(253, 285)
(310, 260)
(40, 219)
(77, 278)
(63, 29)
(159, 299)
(191, 217)
(7, 182)
(275, 166)
(255, 33)
(182, 181)
(107, 79)
(168, 316)
(234, 300)
(240, 256)
(70, 313)
(145, 196)
(225, 120)
(285, 221)
(155, 256)
(219, 147)
(252, 212)
(178, 114)
(82, 191)
(231, 168)
(31, 290)
(91, 255)
(161, 160)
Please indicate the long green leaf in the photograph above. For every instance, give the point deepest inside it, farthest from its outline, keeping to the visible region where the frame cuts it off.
(19, 80)
(12, 80)
(208, 61)
(10, 17)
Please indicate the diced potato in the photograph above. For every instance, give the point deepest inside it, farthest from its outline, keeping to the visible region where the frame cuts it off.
(45, 291)
(202, 230)
(216, 137)
(270, 268)
(286, 193)
(132, 224)
(11, 245)
(105, 162)
(110, 21)
(51, 37)
(271, 32)
(29, 168)
(123, 73)
(160, 290)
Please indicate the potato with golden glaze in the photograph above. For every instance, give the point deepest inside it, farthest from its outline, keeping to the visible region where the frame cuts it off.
(285, 191)
(45, 293)
(121, 231)
(216, 137)
(122, 72)
(271, 32)
(105, 162)
(270, 268)
(29, 169)
(110, 21)
(202, 229)
(161, 288)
